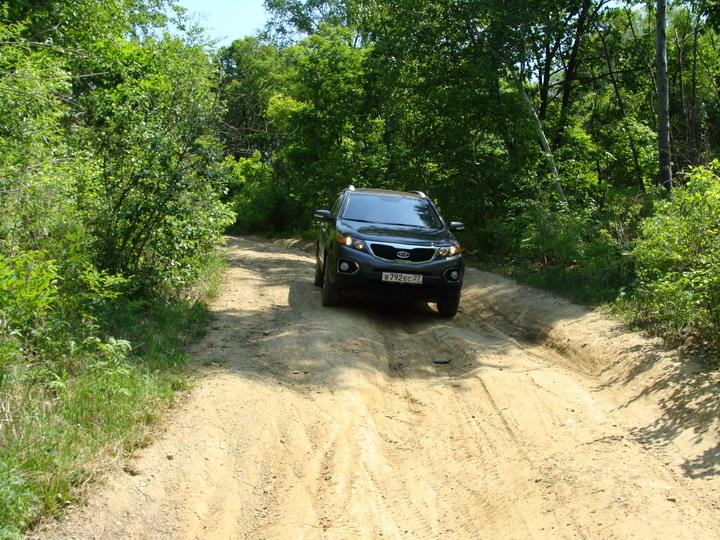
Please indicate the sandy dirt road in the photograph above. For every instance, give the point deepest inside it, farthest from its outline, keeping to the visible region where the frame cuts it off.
(310, 422)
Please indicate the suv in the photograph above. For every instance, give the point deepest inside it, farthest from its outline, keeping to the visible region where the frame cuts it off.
(392, 243)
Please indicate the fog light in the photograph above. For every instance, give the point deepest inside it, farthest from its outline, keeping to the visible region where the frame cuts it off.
(345, 266)
(453, 275)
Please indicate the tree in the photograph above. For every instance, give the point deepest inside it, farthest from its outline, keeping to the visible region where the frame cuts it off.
(154, 202)
(300, 18)
(327, 140)
(251, 73)
(665, 172)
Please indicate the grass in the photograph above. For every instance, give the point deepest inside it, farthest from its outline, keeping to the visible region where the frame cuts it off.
(575, 284)
(66, 416)
(572, 284)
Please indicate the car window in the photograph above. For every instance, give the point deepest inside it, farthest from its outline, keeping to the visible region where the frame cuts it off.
(391, 210)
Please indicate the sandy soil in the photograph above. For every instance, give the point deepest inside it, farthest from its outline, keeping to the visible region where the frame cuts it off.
(309, 422)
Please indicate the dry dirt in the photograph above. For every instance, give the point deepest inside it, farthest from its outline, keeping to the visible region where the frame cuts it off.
(310, 422)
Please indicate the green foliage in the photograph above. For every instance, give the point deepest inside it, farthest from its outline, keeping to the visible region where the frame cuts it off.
(577, 253)
(126, 149)
(75, 395)
(289, 17)
(28, 290)
(154, 204)
(257, 200)
(423, 99)
(327, 140)
(251, 73)
(61, 417)
(35, 165)
(678, 261)
(111, 180)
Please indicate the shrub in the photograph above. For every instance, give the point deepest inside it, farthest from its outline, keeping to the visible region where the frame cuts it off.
(678, 261)
(256, 200)
(111, 179)
(574, 251)
(28, 289)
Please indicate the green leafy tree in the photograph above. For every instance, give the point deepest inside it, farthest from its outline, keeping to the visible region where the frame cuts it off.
(154, 200)
(252, 72)
(328, 139)
(111, 178)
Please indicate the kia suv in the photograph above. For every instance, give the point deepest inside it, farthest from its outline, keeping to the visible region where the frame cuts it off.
(389, 243)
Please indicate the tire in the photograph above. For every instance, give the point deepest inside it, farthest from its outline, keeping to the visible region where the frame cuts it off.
(330, 292)
(318, 268)
(447, 306)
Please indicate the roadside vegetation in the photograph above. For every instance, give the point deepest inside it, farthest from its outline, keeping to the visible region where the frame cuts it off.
(128, 144)
(111, 178)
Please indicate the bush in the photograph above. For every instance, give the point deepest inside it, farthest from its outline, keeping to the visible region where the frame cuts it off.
(255, 197)
(28, 289)
(678, 261)
(111, 179)
(153, 200)
(577, 252)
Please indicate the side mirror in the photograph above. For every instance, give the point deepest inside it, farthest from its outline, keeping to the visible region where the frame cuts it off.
(456, 226)
(323, 215)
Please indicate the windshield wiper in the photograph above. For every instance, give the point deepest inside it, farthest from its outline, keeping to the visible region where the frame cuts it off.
(358, 220)
(407, 225)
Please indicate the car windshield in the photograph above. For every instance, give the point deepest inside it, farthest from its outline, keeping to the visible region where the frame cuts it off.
(391, 210)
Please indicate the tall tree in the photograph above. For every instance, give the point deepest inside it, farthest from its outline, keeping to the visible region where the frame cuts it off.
(251, 74)
(293, 19)
(665, 172)
(572, 68)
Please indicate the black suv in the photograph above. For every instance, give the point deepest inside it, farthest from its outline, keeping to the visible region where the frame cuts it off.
(392, 243)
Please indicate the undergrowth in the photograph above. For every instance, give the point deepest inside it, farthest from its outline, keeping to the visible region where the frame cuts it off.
(660, 273)
(89, 395)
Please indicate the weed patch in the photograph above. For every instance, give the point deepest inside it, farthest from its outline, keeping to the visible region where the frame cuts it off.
(67, 411)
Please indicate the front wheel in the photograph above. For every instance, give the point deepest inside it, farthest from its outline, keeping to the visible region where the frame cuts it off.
(330, 292)
(447, 306)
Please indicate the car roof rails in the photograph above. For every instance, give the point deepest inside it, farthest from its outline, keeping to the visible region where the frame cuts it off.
(422, 195)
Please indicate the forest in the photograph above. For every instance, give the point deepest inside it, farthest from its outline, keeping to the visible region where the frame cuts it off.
(130, 142)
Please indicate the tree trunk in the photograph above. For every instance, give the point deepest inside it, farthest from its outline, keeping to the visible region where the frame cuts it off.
(684, 151)
(544, 77)
(694, 129)
(623, 112)
(541, 134)
(665, 173)
(571, 71)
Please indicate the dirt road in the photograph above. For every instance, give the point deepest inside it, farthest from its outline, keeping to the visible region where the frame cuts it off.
(313, 422)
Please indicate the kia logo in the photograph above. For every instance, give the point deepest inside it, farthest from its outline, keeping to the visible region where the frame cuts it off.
(403, 255)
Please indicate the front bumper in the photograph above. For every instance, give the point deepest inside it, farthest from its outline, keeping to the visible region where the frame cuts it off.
(366, 275)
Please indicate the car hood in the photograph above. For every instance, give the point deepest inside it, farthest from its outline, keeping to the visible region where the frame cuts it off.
(381, 232)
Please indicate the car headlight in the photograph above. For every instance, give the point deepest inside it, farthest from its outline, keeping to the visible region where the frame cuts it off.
(350, 242)
(450, 251)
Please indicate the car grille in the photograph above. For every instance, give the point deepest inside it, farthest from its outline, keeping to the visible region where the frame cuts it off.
(390, 253)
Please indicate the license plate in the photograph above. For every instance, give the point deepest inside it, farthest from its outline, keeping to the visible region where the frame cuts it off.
(393, 277)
